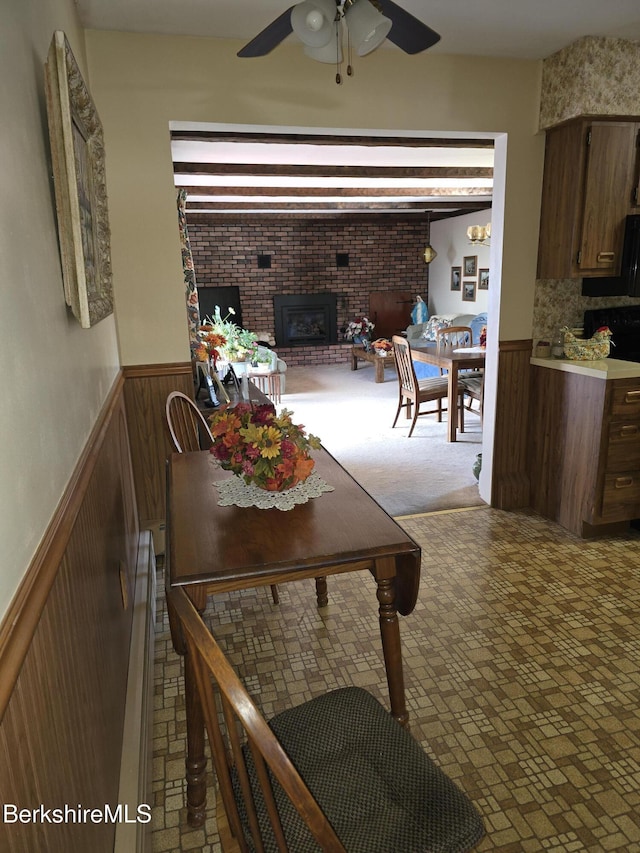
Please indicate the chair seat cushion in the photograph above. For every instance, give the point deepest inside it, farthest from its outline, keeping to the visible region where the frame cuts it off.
(473, 384)
(374, 782)
(434, 383)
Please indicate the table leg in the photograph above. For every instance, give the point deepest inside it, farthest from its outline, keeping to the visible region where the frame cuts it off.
(452, 403)
(379, 369)
(385, 573)
(196, 762)
(354, 361)
(322, 595)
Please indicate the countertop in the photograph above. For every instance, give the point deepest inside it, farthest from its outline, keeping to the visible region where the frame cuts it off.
(604, 368)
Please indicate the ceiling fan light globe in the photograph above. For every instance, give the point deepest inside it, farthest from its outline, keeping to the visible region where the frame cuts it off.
(312, 21)
(368, 27)
(330, 53)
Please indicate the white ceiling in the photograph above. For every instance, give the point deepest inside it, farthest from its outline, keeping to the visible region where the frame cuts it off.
(508, 28)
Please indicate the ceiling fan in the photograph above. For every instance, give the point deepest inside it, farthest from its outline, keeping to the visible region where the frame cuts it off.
(368, 22)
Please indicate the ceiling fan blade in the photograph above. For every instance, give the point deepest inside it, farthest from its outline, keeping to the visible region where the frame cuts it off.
(407, 32)
(270, 37)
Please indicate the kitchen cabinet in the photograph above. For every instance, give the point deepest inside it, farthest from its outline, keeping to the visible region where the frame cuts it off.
(584, 449)
(590, 174)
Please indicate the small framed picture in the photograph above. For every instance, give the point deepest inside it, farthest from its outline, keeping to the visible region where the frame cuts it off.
(468, 291)
(456, 277)
(470, 265)
(483, 279)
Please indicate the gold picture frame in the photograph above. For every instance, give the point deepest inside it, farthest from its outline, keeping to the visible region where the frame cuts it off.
(77, 153)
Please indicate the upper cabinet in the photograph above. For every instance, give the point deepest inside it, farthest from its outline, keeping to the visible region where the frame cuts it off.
(590, 184)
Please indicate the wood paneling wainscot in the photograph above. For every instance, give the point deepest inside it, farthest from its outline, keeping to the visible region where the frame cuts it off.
(64, 650)
(147, 387)
(510, 479)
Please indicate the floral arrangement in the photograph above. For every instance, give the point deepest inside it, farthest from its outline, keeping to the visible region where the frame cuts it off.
(209, 344)
(235, 343)
(359, 327)
(263, 448)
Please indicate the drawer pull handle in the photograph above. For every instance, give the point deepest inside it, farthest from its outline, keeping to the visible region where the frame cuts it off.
(632, 396)
(624, 482)
(629, 429)
(605, 257)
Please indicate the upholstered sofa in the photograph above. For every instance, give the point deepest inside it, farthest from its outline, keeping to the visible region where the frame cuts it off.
(424, 334)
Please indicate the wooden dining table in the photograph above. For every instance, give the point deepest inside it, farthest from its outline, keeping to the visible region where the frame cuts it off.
(212, 548)
(453, 359)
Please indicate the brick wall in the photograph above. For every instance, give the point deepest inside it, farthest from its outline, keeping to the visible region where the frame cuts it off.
(385, 253)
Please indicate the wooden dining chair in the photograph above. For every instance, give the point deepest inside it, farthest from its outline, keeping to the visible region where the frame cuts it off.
(414, 392)
(187, 426)
(190, 432)
(472, 381)
(336, 774)
(454, 336)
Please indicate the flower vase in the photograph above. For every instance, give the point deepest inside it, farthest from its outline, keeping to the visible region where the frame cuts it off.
(363, 340)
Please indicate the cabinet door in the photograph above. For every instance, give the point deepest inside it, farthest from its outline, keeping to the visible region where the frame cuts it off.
(611, 148)
(587, 191)
(561, 199)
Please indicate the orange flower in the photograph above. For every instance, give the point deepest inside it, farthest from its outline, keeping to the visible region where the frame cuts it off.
(304, 466)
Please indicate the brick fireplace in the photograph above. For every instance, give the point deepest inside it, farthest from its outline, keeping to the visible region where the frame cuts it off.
(347, 257)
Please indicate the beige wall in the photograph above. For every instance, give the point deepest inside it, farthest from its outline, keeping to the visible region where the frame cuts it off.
(141, 83)
(55, 375)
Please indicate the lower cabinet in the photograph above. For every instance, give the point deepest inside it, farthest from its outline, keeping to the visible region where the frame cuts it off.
(584, 450)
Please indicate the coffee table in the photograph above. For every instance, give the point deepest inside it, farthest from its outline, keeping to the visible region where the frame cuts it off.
(378, 361)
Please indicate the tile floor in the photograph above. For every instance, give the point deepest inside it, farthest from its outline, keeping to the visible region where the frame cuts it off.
(522, 668)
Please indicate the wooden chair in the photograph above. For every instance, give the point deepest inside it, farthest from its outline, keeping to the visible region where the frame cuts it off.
(190, 432)
(336, 774)
(187, 426)
(472, 381)
(455, 336)
(414, 392)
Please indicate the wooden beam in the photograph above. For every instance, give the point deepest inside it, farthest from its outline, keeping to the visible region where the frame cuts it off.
(330, 171)
(326, 139)
(409, 207)
(342, 192)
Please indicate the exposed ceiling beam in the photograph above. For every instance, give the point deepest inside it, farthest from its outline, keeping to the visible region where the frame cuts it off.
(419, 207)
(343, 192)
(330, 171)
(323, 139)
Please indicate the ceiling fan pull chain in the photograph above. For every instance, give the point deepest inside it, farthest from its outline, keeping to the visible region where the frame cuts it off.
(349, 68)
(338, 57)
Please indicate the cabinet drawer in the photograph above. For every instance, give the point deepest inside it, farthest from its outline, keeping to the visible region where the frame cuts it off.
(623, 452)
(621, 496)
(625, 400)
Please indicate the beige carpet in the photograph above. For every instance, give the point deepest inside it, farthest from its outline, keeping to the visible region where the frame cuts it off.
(352, 415)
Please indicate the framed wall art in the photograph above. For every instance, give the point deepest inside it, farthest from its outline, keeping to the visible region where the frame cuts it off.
(483, 279)
(77, 153)
(470, 265)
(468, 291)
(456, 277)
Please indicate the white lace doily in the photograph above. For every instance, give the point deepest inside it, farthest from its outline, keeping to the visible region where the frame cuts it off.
(235, 492)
